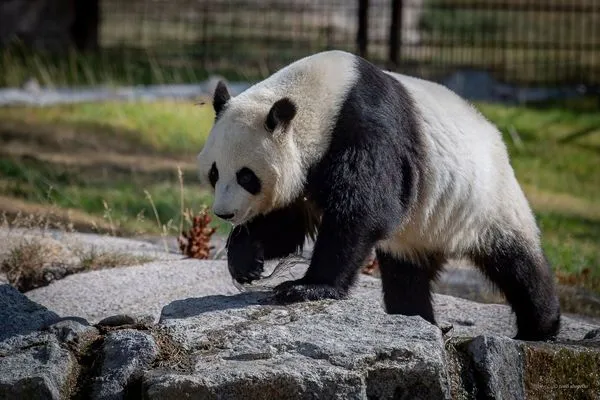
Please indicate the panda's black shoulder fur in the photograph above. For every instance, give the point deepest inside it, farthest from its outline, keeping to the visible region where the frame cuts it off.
(376, 154)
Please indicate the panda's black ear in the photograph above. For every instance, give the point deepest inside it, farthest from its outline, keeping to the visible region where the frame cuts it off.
(282, 112)
(220, 97)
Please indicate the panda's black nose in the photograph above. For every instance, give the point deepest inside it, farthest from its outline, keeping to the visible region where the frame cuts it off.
(225, 216)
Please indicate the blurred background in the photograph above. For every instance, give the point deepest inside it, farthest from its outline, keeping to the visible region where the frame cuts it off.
(105, 103)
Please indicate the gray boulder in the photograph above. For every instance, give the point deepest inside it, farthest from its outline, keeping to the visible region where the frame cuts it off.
(73, 332)
(246, 347)
(35, 367)
(207, 340)
(490, 358)
(125, 354)
(19, 315)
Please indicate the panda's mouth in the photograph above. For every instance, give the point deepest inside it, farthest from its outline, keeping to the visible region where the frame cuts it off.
(243, 219)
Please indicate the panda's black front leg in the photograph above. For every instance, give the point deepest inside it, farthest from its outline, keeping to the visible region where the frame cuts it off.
(277, 234)
(245, 254)
(340, 251)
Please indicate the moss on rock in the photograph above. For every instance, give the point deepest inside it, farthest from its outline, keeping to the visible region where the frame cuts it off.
(562, 372)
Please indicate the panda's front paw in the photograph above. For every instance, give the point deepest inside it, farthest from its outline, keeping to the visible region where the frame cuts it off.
(245, 258)
(246, 272)
(298, 291)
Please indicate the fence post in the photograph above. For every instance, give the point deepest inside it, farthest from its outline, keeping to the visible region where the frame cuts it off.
(86, 24)
(363, 28)
(395, 32)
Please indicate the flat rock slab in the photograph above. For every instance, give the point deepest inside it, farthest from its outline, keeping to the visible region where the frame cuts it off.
(245, 347)
(135, 290)
(145, 289)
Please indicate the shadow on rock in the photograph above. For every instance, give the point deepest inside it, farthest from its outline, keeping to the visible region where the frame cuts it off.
(192, 307)
(20, 315)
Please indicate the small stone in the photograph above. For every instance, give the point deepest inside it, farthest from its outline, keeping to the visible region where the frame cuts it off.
(445, 327)
(126, 319)
(73, 331)
(117, 320)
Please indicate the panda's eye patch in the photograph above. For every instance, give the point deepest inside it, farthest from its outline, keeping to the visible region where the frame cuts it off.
(248, 180)
(213, 175)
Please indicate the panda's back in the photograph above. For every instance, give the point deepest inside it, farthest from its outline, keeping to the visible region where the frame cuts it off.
(468, 183)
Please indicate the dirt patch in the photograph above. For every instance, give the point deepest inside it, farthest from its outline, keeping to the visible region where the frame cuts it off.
(66, 138)
(99, 159)
(93, 259)
(90, 361)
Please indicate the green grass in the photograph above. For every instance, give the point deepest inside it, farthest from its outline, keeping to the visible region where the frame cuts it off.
(561, 149)
(116, 161)
(163, 127)
(103, 158)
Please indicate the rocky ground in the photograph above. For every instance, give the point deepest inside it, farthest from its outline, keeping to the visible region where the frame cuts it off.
(172, 328)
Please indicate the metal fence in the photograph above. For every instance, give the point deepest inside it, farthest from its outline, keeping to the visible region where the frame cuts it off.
(526, 42)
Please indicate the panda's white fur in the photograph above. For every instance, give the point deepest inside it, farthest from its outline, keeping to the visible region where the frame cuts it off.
(454, 191)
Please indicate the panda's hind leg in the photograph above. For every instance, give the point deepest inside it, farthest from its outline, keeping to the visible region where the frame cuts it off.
(520, 270)
(406, 283)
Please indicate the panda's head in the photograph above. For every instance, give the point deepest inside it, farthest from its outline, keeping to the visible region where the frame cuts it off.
(249, 159)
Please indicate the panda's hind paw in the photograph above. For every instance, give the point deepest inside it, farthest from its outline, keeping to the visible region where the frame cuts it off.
(297, 291)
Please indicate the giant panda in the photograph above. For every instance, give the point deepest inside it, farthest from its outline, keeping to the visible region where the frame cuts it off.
(362, 159)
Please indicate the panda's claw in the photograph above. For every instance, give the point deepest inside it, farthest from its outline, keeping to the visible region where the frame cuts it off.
(298, 291)
(248, 277)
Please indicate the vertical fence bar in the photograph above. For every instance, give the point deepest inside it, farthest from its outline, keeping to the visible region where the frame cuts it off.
(395, 32)
(362, 33)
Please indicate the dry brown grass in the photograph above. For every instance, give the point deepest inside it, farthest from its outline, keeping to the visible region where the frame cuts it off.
(38, 261)
(30, 257)
(94, 259)
(562, 202)
(18, 213)
(24, 266)
(82, 159)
